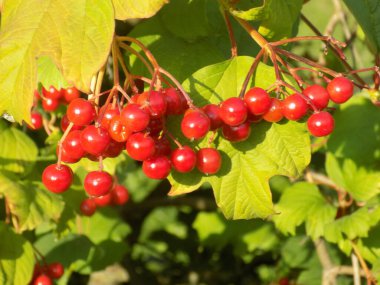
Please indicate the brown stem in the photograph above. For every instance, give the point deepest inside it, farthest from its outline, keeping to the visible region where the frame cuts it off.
(179, 86)
(115, 63)
(98, 87)
(124, 93)
(230, 33)
(370, 279)
(173, 139)
(328, 39)
(343, 61)
(251, 71)
(138, 55)
(61, 142)
(128, 75)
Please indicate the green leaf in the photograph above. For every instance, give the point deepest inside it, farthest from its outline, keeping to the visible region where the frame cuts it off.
(16, 257)
(75, 34)
(132, 9)
(18, 153)
(367, 13)
(29, 204)
(274, 28)
(360, 182)
(353, 226)
(296, 251)
(179, 57)
(241, 187)
(303, 203)
(49, 75)
(351, 126)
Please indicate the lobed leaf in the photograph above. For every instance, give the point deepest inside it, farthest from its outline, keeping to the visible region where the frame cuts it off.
(133, 9)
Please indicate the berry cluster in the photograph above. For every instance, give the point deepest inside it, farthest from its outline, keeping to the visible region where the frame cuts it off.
(51, 99)
(139, 128)
(43, 274)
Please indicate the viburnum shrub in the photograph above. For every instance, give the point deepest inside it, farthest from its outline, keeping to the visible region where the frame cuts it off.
(274, 131)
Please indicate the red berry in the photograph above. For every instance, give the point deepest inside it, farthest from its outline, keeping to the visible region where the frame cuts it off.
(176, 103)
(118, 131)
(163, 146)
(56, 270)
(114, 149)
(50, 105)
(70, 94)
(274, 113)
(57, 179)
(320, 124)
(104, 200)
(195, 124)
(65, 157)
(340, 89)
(183, 159)
(72, 145)
(95, 140)
(51, 93)
(212, 112)
(120, 195)
(258, 101)
(155, 103)
(156, 125)
(140, 146)
(318, 96)
(43, 279)
(237, 133)
(253, 118)
(65, 123)
(233, 111)
(81, 112)
(88, 207)
(209, 160)
(135, 118)
(108, 113)
(157, 167)
(98, 183)
(294, 107)
(36, 119)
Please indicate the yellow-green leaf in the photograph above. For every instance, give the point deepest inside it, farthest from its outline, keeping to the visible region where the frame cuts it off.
(133, 9)
(76, 34)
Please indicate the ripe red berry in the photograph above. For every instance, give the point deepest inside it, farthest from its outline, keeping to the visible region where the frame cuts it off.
(183, 159)
(51, 93)
(36, 119)
(81, 112)
(57, 179)
(157, 167)
(294, 107)
(55, 270)
(155, 103)
(72, 145)
(163, 146)
(209, 160)
(156, 125)
(320, 124)
(340, 89)
(258, 101)
(140, 146)
(120, 195)
(42, 279)
(195, 124)
(88, 207)
(318, 96)
(274, 113)
(233, 111)
(95, 140)
(50, 105)
(65, 123)
(70, 94)
(176, 103)
(65, 157)
(212, 112)
(135, 118)
(114, 149)
(108, 113)
(236, 133)
(103, 201)
(98, 183)
(118, 131)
